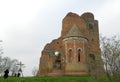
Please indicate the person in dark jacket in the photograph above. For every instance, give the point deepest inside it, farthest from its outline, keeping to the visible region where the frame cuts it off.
(18, 75)
(6, 72)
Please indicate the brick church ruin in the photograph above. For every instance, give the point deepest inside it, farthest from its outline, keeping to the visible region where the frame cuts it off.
(77, 51)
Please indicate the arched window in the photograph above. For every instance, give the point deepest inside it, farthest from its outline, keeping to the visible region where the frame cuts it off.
(79, 50)
(56, 53)
(70, 55)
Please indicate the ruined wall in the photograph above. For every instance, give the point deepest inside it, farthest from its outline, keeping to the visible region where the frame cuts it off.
(71, 19)
(87, 39)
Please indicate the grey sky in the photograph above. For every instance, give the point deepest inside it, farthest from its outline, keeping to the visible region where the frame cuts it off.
(27, 25)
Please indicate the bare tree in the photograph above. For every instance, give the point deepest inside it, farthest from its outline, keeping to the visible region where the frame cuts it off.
(11, 64)
(14, 67)
(111, 57)
(34, 71)
(1, 49)
(1, 52)
(7, 63)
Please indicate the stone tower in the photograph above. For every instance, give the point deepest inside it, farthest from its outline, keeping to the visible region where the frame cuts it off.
(76, 51)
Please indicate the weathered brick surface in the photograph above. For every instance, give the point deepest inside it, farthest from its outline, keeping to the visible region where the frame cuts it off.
(78, 48)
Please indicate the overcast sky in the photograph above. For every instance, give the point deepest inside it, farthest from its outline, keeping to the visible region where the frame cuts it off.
(27, 25)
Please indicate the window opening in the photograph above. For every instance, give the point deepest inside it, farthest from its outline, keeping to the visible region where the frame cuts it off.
(79, 55)
(92, 56)
(90, 26)
(70, 55)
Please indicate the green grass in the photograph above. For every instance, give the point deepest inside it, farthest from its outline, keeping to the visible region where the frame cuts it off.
(52, 79)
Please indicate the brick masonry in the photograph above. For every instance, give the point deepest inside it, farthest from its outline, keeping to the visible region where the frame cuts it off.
(76, 51)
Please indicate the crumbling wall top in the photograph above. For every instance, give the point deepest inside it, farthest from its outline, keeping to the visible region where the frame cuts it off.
(87, 15)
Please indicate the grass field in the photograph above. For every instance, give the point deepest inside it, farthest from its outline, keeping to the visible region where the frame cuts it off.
(52, 79)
